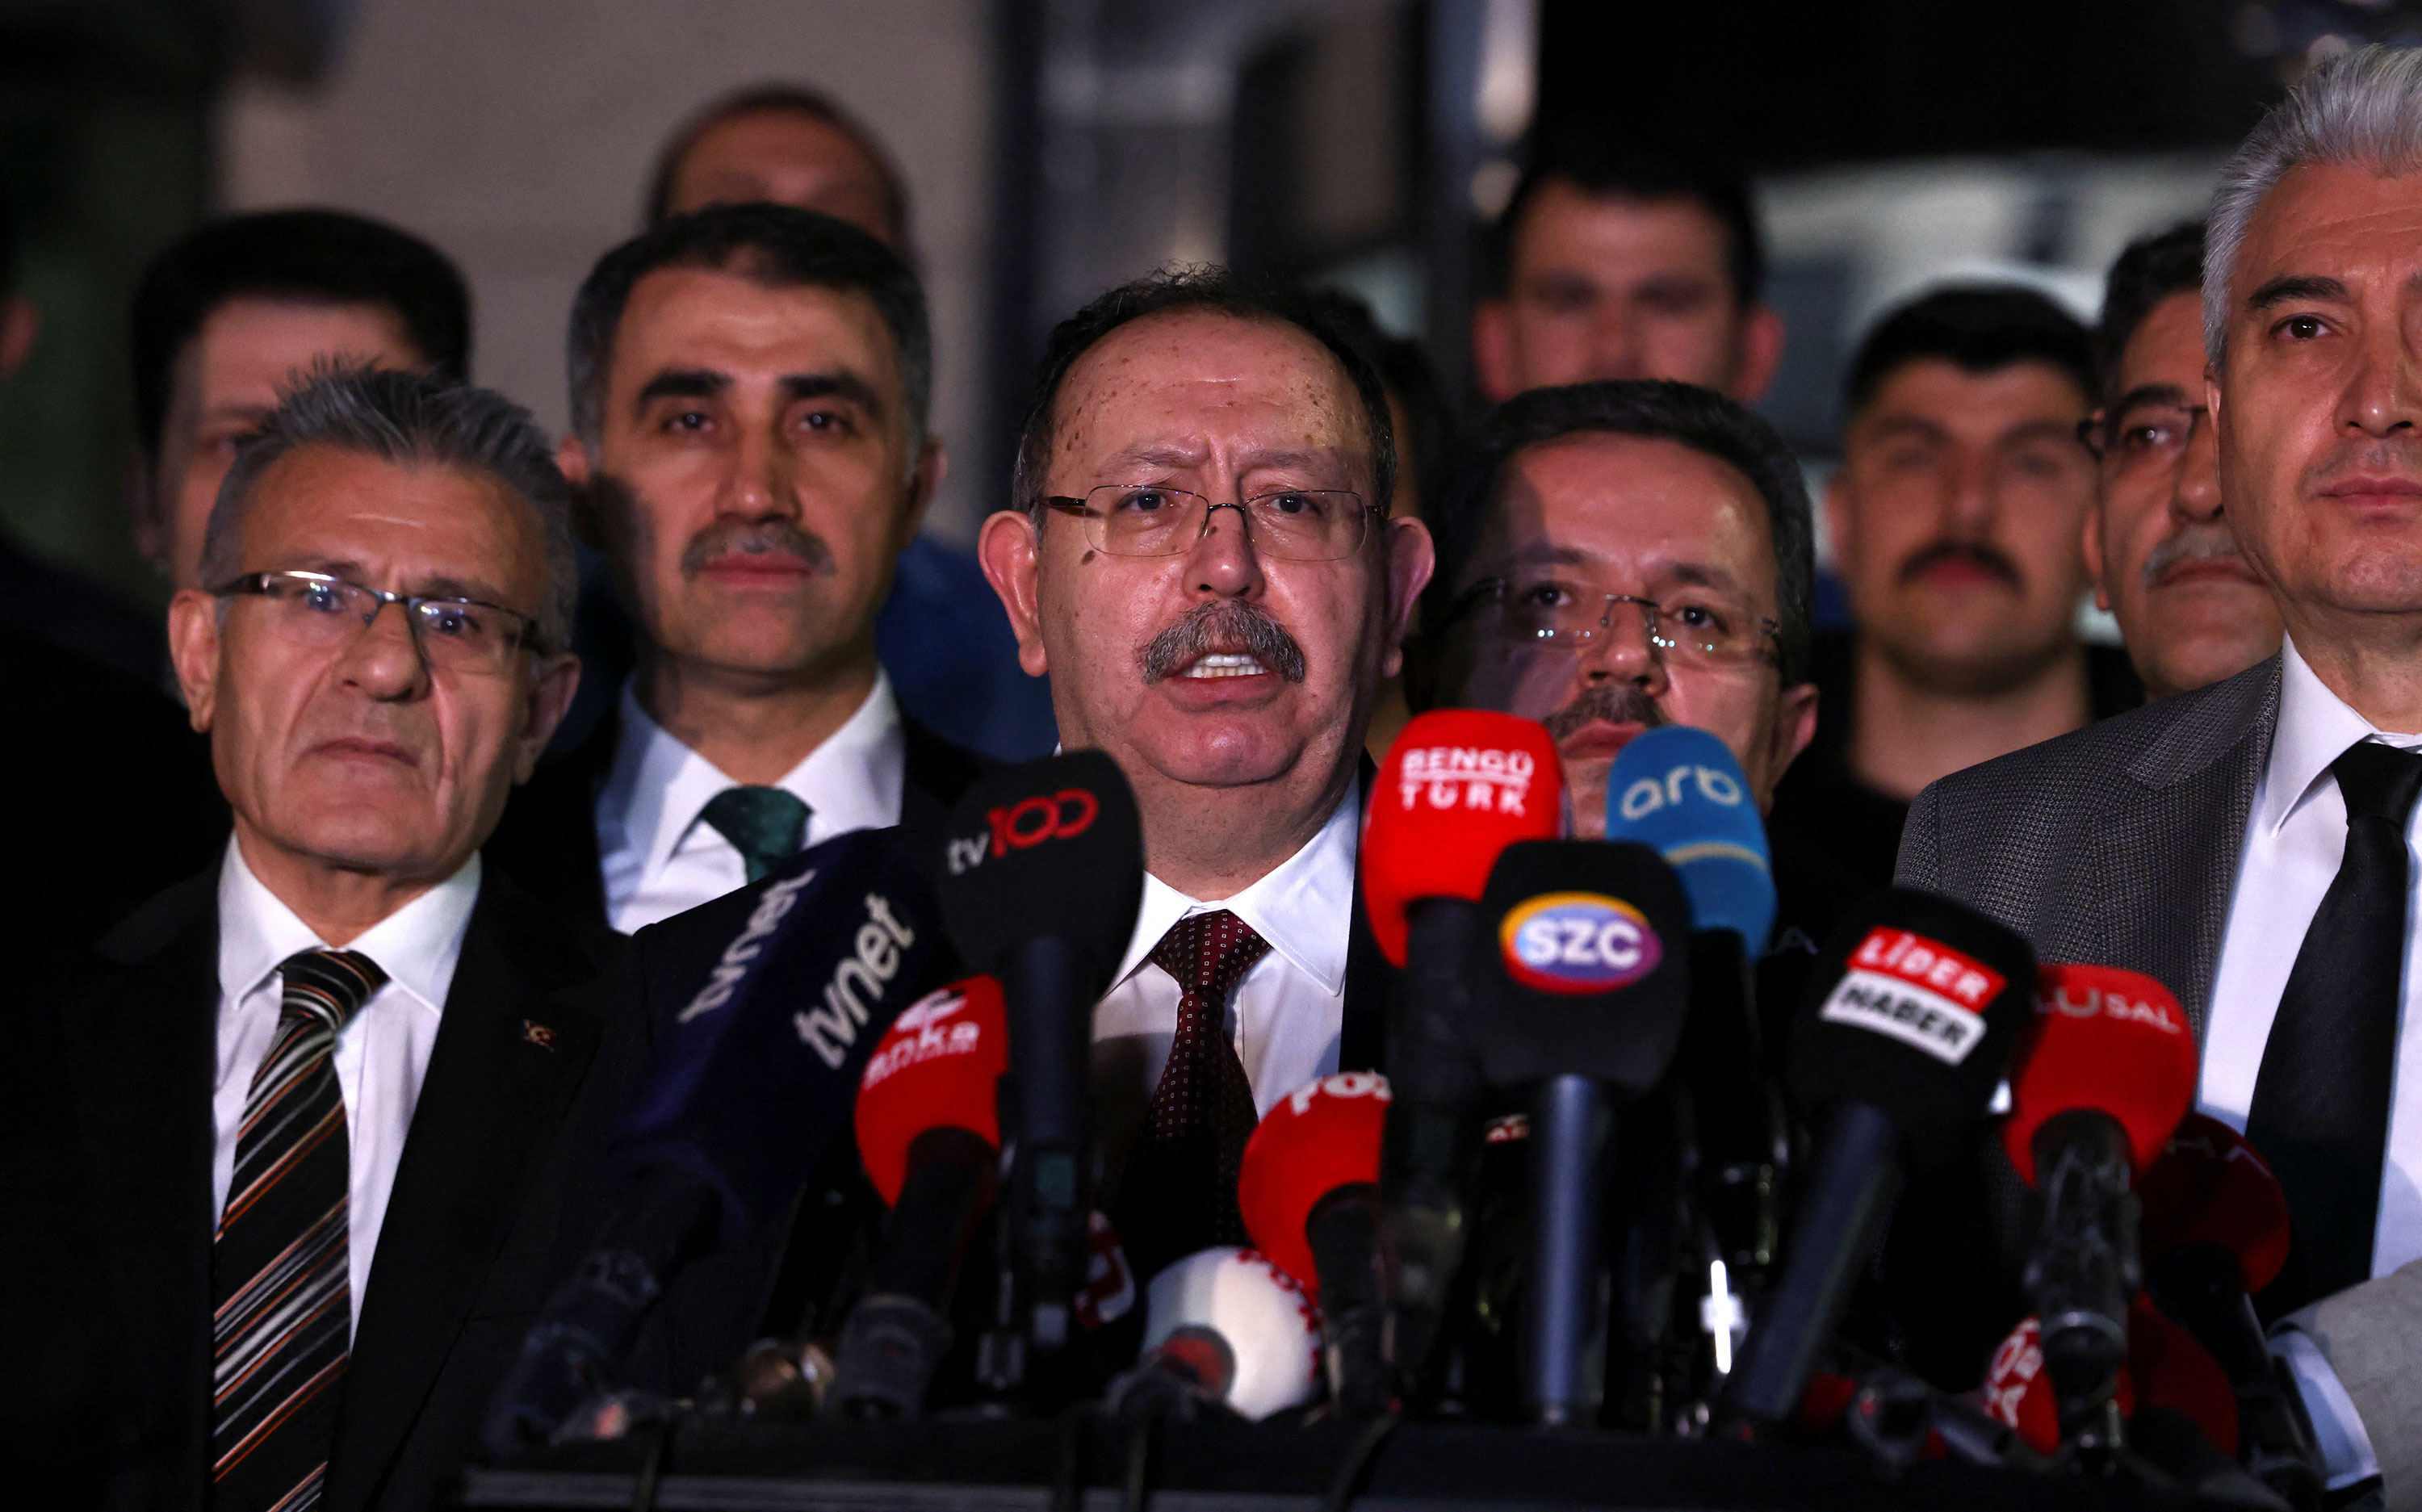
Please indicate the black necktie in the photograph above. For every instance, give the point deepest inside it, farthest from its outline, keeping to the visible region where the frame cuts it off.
(2320, 1101)
(765, 825)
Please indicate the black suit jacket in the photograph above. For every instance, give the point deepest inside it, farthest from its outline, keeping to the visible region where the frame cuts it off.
(106, 1366)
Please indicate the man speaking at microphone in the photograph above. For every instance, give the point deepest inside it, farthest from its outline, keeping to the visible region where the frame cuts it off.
(1201, 560)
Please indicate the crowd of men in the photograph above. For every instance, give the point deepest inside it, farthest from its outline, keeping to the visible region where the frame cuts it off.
(354, 930)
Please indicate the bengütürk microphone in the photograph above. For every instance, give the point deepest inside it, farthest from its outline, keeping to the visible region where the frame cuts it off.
(930, 1139)
(744, 1098)
(2215, 1232)
(2096, 1087)
(1894, 1054)
(1041, 874)
(1583, 986)
(1457, 787)
(1309, 1193)
(1223, 1328)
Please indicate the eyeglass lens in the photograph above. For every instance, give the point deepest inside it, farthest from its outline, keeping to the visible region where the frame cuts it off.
(1296, 524)
(451, 633)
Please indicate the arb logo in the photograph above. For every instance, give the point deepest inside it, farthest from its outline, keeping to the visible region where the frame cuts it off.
(1026, 824)
(1578, 942)
(1648, 794)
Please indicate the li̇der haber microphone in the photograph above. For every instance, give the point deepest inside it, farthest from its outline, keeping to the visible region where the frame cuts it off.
(1308, 1193)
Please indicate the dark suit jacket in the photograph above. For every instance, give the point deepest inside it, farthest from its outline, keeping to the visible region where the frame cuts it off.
(106, 1366)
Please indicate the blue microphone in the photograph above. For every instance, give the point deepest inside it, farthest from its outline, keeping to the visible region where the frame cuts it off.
(1678, 790)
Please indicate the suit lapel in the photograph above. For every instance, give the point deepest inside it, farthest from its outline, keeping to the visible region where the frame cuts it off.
(1362, 1038)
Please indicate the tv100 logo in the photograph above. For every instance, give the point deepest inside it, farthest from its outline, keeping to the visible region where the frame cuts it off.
(1024, 824)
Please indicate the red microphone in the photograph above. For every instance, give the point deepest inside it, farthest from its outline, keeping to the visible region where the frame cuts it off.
(1309, 1193)
(2210, 1187)
(1459, 786)
(2166, 1370)
(929, 1135)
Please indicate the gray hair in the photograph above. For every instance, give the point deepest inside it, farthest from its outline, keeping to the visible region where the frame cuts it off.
(2360, 107)
(409, 417)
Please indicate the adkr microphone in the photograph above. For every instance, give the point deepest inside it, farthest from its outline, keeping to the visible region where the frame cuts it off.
(1042, 872)
(746, 1094)
(1309, 1193)
(930, 1139)
(2097, 1088)
(1223, 1328)
(1457, 787)
(1895, 1055)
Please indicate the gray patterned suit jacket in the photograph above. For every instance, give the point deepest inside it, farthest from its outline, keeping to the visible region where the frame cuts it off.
(2119, 844)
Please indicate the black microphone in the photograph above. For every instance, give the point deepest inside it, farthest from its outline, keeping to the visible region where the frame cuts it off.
(741, 1101)
(1042, 874)
(1895, 1055)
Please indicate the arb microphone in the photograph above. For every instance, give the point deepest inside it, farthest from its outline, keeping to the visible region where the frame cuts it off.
(1894, 1054)
(1042, 872)
(1223, 1328)
(930, 1139)
(1459, 786)
(1583, 986)
(2097, 1088)
(1309, 1193)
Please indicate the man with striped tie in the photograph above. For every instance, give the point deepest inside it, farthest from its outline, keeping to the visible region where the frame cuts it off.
(294, 1158)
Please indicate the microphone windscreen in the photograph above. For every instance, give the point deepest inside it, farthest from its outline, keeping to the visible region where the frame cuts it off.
(1271, 1328)
(1459, 786)
(2018, 1391)
(936, 1067)
(2103, 1038)
(1678, 790)
(1051, 849)
(1912, 1008)
(1315, 1140)
(1584, 969)
(2210, 1186)
(2173, 1369)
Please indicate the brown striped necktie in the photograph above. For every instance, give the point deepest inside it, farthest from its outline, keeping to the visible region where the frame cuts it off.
(280, 1289)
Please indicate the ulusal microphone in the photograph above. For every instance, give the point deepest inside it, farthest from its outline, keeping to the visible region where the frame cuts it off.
(1309, 1193)
(1226, 1329)
(1894, 1055)
(930, 1139)
(1583, 986)
(746, 1094)
(2096, 1087)
(2215, 1232)
(1042, 872)
(1459, 786)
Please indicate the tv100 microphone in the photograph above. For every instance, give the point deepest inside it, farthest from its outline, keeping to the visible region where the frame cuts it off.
(2097, 1088)
(1894, 1053)
(1309, 1193)
(928, 1136)
(1459, 786)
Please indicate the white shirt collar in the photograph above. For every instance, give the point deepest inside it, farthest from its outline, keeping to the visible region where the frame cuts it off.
(417, 946)
(1301, 906)
(658, 786)
(2316, 727)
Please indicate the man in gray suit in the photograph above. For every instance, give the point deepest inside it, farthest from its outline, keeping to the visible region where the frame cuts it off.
(2250, 843)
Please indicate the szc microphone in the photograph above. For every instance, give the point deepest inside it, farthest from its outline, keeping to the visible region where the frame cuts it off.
(1226, 1329)
(1309, 1193)
(1894, 1055)
(930, 1139)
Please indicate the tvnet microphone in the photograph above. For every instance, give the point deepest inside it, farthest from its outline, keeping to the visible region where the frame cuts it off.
(2097, 1088)
(1583, 986)
(1894, 1054)
(1041, 875)
(1309, 1192)
(1457, 787)
(930, 1139)
(1223, 1328)
(745, 1097)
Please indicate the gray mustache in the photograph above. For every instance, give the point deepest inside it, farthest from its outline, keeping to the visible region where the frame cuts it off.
(1614, 702)
(1227, 626)
(2194, 542)
(756, 538)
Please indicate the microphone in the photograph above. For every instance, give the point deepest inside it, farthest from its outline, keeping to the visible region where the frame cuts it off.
(1226, 1329)
(1583, 992)
(1894, 1055)
(931, 1143)
(1309, 1193)
(1042, 872)
(743, 1100)
(2097, 1089)
(1459, 786)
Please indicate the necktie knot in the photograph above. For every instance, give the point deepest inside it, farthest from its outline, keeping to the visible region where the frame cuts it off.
(1209, 952)
(328, 986)
(2379, 782)
(765, 825)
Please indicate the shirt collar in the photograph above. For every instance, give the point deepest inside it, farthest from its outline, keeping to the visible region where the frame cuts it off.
(417, 946)
(2315, 728)
(1303, 907)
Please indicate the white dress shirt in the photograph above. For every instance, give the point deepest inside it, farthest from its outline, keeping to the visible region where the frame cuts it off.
(382, 1053)
(1286, 1015)
(659, 859)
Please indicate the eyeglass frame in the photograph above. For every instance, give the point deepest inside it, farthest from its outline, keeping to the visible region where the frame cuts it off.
(2096, 428)
(254, 585)
(1494, 586)
(1364, 510)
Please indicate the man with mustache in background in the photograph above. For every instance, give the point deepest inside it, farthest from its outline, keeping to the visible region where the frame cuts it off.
(2190, 607)
(1957, 514)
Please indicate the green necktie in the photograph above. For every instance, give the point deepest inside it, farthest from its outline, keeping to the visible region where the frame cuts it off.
(765, 825)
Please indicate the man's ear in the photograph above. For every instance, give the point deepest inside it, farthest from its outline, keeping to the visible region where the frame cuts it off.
(1495, 366)
(1838, 524)
(1761, 353)
(193, 651)
(1795, 726)
(20, 322)
(933, 465)
(1412, 558)
(146, 514)
(2091, 544)
(1011, 556)
(571, 460)
(558, 679)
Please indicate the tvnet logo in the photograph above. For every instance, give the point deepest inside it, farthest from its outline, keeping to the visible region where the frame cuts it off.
(1024, 824)
(1466, 777)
